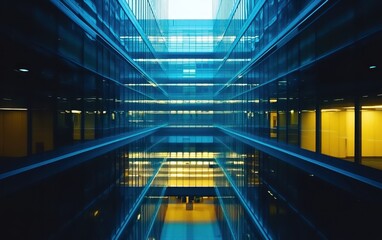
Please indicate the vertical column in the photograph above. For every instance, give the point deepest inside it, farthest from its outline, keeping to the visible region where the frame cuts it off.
(318, 127)
(29, 129)
(357, 131)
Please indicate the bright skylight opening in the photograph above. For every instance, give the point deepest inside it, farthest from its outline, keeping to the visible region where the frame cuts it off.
(189, 70)
(190, 9)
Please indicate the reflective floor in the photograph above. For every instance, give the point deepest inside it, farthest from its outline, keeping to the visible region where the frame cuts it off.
(198, 223)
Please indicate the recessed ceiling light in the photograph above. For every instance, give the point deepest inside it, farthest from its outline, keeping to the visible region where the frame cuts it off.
(23, 70)
(372, 67)
(13, 109)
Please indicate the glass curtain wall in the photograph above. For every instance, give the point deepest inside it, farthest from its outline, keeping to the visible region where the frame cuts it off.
(83, 86)
(306, 92)
(86, 83)
(75, 108)
(257, 189)
(116, 194)
(300, 76)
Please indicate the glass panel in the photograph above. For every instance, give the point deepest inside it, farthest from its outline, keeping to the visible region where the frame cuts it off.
(337, 132)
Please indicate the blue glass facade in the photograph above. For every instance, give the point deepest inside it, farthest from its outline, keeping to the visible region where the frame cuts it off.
(110, 108)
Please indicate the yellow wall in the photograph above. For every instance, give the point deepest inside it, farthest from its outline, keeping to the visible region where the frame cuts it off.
(273, 124)
(293, 118)
(89, 126)
(350, 127)
(13, 133)
(337, 132)
(282, 119)
(42, 130)
(371, 133)
(308, 131)
(76, 126)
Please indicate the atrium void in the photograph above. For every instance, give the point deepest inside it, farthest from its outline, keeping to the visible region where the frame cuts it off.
(190, 119)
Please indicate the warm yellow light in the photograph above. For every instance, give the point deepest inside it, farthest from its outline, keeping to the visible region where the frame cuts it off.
(330, 110)
(372, 107)
(96, 213)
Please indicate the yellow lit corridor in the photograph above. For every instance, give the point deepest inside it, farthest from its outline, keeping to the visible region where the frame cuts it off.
(196, 224)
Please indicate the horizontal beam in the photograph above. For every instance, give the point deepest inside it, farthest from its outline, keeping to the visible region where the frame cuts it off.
(190, 191)
(335, 171)
(48, 164)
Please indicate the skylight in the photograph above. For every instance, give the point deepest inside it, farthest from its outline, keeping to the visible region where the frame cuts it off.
(190, 9)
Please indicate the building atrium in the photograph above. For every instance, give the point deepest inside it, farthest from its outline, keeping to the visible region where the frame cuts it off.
(190, 119)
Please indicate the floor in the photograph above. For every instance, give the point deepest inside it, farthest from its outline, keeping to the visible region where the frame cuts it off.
(374, 162)
(197, 224)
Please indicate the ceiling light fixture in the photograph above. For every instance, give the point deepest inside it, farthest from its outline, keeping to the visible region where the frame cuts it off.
(23, 70)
